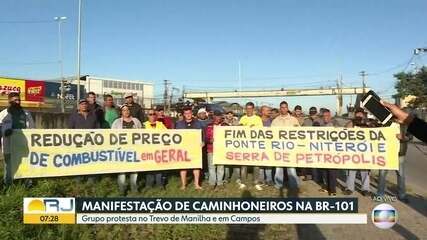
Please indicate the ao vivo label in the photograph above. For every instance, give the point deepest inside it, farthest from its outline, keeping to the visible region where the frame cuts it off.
(49, 210)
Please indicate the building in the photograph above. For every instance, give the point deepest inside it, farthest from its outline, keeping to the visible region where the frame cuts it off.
(143, 92)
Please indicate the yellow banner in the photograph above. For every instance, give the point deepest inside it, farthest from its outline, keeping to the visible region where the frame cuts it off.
(307, 147)
(65, 152)
(11, 85)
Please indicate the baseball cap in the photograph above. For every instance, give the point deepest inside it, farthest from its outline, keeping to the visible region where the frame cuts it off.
(202, 110)
(82, 101)
(312, 110)
(128, 94)
(13, 94)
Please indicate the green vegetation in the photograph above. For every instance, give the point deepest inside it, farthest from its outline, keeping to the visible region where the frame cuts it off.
(414, 84)
(11, 226)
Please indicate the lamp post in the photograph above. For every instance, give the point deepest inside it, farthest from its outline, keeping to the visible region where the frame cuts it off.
(79, 37)
(60, 20)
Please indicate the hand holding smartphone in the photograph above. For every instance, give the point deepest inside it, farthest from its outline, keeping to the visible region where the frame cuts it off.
(371, 102)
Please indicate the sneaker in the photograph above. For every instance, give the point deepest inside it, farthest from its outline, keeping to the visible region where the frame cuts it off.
(242, 186)
(270, 183)
(332, 194)
(323, 190)
(348, 192)
(258, 187)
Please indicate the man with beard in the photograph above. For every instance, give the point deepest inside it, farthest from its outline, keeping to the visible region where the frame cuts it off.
(136, 110)
(298, 114)
(94, 107)
(12, 118)
(166, 120)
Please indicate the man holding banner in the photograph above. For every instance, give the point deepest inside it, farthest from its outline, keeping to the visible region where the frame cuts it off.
(83, 118)
(328, 176)
(358, 121)
(12, 118)
(266, 173)
(250, 120)
(152, 178)
(285, 119)
(216, 172)
(190, 123)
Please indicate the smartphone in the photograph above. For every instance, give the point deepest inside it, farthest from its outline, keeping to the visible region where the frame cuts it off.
(371, 102)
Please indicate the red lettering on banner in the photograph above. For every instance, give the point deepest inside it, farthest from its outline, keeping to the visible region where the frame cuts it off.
(365, 161)
(238, 156)
(166, 156)
(279, 156)
(300, 157)
(345, 158)
(381, 161)
(327, 158)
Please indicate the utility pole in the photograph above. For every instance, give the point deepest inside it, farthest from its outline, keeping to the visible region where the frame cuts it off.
(339, 96)
(60, 20)
(171, 97)
(363, 74)
(79, 38)
(166, 96)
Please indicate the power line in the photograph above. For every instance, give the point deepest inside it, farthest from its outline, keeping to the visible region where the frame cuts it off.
(26, 22)
(29, 63)
(288, 77)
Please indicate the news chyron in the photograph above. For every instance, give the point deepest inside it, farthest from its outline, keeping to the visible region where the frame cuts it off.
(192, 211)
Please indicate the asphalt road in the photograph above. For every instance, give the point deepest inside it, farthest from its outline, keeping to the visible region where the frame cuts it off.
(416, 168)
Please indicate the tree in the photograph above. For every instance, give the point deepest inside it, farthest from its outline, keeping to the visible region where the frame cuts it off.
(414, 84)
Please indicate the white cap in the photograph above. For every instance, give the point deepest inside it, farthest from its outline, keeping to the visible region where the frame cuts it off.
(128, 94)
(202, 110)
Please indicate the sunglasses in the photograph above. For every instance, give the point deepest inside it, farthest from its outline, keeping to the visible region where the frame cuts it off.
(151, 114)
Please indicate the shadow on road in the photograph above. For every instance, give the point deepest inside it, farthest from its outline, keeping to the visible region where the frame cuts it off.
(304, 231)
(245, 231)
(405, 233)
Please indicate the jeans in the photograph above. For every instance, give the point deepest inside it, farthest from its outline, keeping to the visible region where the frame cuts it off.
(351, 178)
(292, 178)
(7, 171)
(155, 177)
(121, 180)
(329, 179)
(256, 175)
(216, 172)
(235, 175)
(315, 173)
(400, 179)
(227, 172)
(266, 175)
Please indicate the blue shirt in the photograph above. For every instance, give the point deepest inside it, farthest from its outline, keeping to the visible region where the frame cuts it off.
(267, 123)
(194, 124)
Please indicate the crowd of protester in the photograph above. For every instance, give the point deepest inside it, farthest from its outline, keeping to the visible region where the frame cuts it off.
(90, 115)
